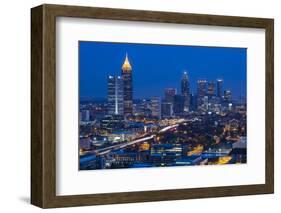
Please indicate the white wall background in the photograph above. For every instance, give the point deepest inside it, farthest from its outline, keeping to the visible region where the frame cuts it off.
(15, 104)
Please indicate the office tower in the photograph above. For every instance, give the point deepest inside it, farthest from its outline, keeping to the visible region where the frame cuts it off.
(227, 96)
(115, 95)
(166, 109)
(205, 105)
(170, 94)
(185, 91)
(201, 88)
(193, 102)
(127, 87)
(145, 108)
(201, 92)
(178, 105)
(211, 89)
(156, 107)
(219, 87)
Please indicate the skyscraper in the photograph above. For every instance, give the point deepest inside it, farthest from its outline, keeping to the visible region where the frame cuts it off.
(201, 88)
(178, 107)
(127, 87)
(201, 92)
(193, 102)
(170, 94)
(156, 107)
(227, 95)
(166, 110)
(219, 87)
(211, 90)
(185, 91)
(115, 95)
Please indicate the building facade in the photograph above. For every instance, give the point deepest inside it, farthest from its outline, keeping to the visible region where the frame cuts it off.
(127, 87)
(201, 93)
(167, 110)
(115, 95)
(185, 91)
(227, 96)
(178, 107)
(219, 88)
(170, 94)
(156, 107)
(211, 90)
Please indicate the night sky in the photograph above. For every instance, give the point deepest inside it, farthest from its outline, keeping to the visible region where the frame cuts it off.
(156, 67)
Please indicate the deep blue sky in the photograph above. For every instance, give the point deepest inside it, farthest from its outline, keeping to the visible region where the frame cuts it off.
(156, 67)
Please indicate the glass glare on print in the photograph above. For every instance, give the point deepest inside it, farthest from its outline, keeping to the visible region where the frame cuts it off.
(149, 105)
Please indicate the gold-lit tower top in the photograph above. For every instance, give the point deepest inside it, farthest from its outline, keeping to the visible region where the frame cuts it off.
(126, 67)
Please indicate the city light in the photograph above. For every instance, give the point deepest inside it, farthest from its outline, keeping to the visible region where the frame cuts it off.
(179, 127)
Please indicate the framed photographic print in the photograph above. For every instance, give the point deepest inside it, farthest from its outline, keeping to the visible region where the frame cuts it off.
(137, 106)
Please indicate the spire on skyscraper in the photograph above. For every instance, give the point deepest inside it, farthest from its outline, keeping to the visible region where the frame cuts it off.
(185, 75)
(126, 67)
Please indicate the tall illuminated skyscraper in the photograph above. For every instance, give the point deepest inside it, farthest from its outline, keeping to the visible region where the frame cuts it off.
(211, 90)
(168, 103)
(185, 91)
(219, 88)
(115, 95)
(127, 87)
(201, 88)
(201, 92)
(227, 95)
(156, 107)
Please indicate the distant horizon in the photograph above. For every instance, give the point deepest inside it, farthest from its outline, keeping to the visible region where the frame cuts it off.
(163, 64)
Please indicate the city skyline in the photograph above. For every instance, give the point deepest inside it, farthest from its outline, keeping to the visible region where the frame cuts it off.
(170, 125)
(95, 87)
(210, 96)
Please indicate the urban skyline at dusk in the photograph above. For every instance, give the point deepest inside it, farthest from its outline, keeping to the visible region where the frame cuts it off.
(167, 121)
(100, 59)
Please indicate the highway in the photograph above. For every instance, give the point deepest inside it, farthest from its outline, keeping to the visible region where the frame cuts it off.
(121, 146)
(106, 150)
